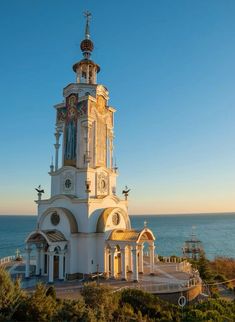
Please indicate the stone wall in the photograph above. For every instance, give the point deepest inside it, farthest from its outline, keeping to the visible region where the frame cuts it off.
(190, 294)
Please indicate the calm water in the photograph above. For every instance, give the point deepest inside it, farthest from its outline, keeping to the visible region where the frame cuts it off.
(217, 232)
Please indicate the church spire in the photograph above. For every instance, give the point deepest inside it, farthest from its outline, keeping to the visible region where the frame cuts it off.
(87, 45)
(87, 14)
(86, 69)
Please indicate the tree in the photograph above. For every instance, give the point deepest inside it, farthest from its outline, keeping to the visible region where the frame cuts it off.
(10, 295)
(40, 307)
(70, 310)
(150, 305)
(203, 267)
(101, 300)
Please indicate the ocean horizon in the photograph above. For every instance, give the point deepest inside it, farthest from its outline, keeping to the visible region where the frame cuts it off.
(160, 214)
(214, 230)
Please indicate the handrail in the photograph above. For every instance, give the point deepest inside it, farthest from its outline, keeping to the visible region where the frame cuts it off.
(163, 288)
(7, 259)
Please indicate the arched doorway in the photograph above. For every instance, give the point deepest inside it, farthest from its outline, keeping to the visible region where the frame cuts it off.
(56, 262)
(51, 247)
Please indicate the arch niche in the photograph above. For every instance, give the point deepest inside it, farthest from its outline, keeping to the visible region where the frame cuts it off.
(105, 222)
(73, 226)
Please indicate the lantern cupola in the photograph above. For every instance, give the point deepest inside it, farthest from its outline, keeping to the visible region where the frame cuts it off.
(86, 70)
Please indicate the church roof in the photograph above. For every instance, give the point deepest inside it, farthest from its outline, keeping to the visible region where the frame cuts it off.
(51, 236)
(54, 235)
(131, 235)
(127, 234)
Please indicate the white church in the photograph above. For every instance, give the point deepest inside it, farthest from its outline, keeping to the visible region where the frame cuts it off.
(84, 226)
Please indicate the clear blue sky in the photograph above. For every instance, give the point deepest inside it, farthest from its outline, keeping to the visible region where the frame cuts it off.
(170, 68)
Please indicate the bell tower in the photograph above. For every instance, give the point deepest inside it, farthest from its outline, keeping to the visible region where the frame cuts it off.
(84, 125)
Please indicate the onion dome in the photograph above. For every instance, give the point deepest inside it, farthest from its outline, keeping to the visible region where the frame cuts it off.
(87, 45)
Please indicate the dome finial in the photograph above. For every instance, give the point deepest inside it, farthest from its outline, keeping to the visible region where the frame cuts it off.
(87, 14)
(87, 45)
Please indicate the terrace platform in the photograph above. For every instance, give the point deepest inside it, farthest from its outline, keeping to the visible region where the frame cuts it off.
(169, 281)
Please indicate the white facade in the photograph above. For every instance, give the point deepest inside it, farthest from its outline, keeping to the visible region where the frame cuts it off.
(75, 225)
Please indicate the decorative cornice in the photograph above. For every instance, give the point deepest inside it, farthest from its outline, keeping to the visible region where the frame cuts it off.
(81, 170)
(76, 87)
(59, 105)
(102, 90)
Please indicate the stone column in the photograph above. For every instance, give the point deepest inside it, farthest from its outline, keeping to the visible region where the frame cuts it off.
(38, 260)
(42, 254)
(87, 125)
(135, 264)
(151, 251)
(57, 146)
(79, 74)
(87, 74)
(130, 262)
(27, 263)
(111, 150)
(141, 259)
(106, 263)
(61, 266)
(94, 75)
(112, 262)
(65, 264)
(51, 267)
(123, 258)
(105, 260)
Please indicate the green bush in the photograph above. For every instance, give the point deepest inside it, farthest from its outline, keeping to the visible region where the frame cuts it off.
(98, 303)
(11, 296)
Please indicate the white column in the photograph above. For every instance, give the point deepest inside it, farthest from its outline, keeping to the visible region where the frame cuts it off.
(61, 266)
(130, 260)
(112, 261)
(57, 146)
(95, 75)
(42, 261)
(79, 74)
(123, 258)
(151, 251)
(87, 74)
(141, 259)
(111, 151)
(106, 262)
(135, 264)
(87, 125)
(51, 267)
(38, 255)
(65, 264)
(27, 264)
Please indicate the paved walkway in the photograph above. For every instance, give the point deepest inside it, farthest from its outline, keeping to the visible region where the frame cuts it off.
(165, 278)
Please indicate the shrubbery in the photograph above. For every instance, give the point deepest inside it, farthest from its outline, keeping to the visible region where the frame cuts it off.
(100, 303)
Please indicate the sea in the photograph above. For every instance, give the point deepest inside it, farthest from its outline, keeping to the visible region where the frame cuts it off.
(215, 231)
